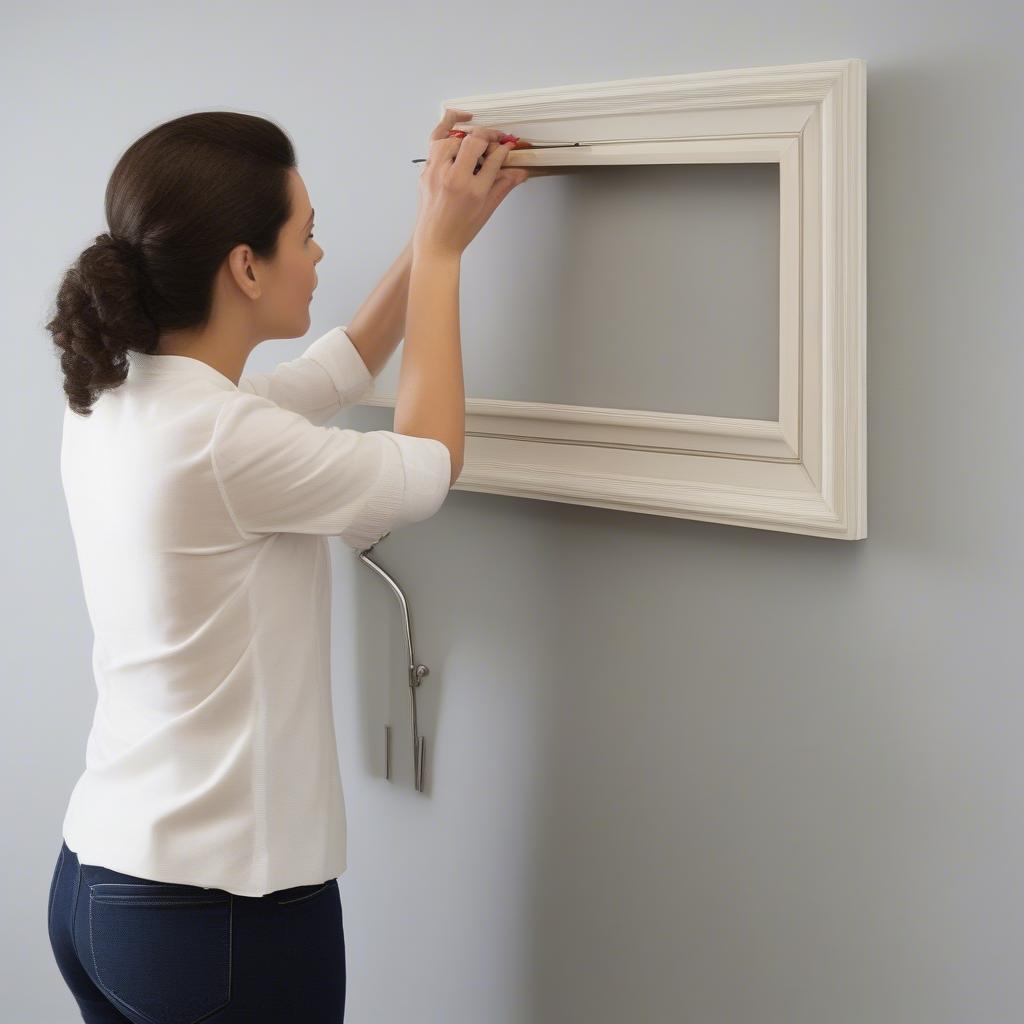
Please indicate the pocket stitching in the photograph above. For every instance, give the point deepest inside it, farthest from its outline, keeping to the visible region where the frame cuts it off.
(110, 992)
(148, 895)
(307, 896)
(198, 889)
(136, 885)
(135, 901)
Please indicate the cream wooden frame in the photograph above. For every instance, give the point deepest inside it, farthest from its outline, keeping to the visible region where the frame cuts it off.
(805, 473)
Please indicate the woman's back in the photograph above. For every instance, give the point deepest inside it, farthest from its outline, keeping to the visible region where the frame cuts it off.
(200, 512)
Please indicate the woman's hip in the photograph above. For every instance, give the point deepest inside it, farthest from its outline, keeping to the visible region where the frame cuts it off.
(169, 953)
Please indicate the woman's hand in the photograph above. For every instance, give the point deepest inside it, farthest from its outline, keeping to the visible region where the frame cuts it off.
(461, 184)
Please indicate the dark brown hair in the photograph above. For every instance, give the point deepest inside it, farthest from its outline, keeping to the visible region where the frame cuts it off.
(179, 200)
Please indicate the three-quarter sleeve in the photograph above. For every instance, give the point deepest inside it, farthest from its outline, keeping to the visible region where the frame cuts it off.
(279, 473)
(326, 378)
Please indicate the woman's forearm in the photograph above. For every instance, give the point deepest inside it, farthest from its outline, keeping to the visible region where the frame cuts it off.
(431, 399)
(379, 323)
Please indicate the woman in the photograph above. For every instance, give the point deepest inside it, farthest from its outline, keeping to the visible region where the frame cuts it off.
(197, 877)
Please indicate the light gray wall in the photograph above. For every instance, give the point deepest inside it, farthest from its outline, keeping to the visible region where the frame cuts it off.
(677, 771)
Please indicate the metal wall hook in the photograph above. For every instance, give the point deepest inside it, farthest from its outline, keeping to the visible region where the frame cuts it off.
(416, 674)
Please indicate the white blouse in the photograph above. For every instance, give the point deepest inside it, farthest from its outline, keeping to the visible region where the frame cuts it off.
(200, 513)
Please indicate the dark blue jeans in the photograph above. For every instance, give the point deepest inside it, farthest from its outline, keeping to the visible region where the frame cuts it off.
(132, 949)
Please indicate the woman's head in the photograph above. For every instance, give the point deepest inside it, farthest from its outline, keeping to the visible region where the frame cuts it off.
(208, 231)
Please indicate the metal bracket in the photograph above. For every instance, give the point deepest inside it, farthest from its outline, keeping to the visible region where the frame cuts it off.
(416, 674)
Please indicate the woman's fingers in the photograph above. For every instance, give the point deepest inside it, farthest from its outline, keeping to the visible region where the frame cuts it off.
(453, 117)
(470, 150)
(491, 134)
(450, 117)
(441, 137)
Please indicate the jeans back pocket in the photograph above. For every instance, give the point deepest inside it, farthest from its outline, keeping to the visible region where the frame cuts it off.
(162, 951)
(299, 895)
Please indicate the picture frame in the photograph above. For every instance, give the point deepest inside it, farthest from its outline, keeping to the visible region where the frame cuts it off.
(806, 472)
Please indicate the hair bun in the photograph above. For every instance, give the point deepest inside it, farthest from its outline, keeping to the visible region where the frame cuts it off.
(126, 250)
(181, 197)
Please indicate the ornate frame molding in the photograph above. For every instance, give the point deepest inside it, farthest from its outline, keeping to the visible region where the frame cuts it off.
(805, 473)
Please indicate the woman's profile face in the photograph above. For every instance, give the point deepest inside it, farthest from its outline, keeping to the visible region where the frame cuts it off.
(289, 279)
